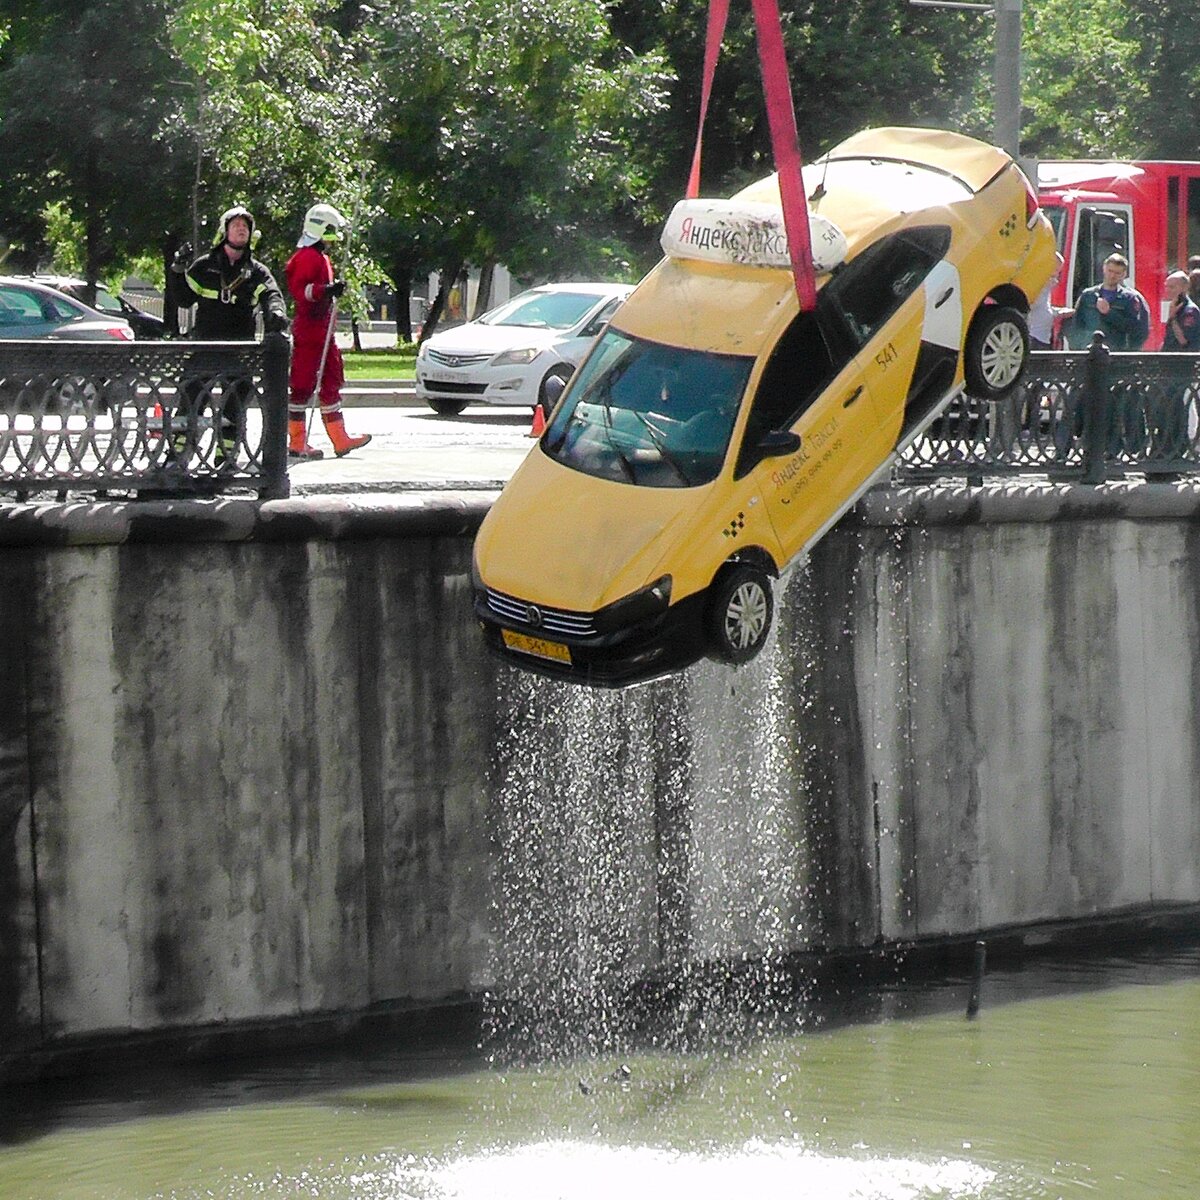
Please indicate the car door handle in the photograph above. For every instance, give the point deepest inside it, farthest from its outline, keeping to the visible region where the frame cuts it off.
(943, 297)
(854, 395)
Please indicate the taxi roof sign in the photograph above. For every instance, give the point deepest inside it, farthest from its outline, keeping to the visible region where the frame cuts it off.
(745, 233)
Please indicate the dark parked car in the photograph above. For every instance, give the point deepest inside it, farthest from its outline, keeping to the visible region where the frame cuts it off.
(144, 324)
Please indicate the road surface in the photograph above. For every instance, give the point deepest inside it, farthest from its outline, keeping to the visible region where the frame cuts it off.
(413, 447)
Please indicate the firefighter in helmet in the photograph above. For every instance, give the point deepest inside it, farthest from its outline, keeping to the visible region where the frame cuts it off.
(228, 285)
(316, 359)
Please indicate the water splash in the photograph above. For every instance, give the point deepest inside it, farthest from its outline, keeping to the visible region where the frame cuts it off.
(650, 859)
(584, 1171)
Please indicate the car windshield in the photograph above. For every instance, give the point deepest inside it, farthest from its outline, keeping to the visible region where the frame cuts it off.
(647, 414)
(543, 310)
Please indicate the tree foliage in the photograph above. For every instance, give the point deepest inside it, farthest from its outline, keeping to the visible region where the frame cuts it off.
(1080, 89)
(83, 112)
(273, 111)
(865, 62)
(552, 135)
(512, 130)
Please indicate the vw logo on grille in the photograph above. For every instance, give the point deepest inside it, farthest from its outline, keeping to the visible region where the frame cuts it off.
(533, 615)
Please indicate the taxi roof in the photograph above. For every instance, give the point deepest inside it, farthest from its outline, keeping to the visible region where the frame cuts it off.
(973, 162)
(867, 184)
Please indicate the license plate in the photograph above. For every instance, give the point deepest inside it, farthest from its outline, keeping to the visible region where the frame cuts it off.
(538, 647)
(441, 376)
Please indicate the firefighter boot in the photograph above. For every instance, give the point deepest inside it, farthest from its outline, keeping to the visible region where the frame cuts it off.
(343, 443)
(298, 446)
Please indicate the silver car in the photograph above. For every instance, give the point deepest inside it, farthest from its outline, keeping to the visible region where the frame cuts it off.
(522, 352)
(29, 310)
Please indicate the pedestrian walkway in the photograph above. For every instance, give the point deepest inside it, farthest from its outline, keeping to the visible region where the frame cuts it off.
(413, 449)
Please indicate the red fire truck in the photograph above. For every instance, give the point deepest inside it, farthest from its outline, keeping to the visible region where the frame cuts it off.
(1147, 211)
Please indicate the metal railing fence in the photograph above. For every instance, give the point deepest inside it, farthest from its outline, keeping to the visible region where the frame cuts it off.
(153, 418)
(178, 418)
(1084, 415)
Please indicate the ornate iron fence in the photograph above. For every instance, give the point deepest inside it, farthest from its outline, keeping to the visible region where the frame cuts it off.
(1088, 415)
(146, 418)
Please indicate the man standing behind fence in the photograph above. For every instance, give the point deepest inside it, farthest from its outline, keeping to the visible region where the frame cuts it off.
(316, 359)
(1113, 309)
(1182, 335)
(227, 285)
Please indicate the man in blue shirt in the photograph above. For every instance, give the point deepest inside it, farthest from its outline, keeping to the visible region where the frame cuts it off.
(1183, 321)
(1115, 310)
(1182, 335)
(1121, 315)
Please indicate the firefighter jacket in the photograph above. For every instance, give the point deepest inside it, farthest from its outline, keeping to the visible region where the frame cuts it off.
(227, 293)
(309, 272)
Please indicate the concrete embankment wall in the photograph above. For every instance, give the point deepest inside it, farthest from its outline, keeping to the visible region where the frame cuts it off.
(255, 765)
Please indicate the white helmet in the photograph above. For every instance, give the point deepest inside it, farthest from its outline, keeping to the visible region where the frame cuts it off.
(322, 223)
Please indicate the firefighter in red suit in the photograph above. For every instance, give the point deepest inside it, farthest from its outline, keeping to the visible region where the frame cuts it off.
(315, 290)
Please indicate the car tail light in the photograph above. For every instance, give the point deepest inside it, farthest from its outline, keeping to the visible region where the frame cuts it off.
(121, 332)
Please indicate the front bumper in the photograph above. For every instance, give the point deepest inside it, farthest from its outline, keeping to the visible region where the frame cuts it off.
(649, 649)
(516, 386)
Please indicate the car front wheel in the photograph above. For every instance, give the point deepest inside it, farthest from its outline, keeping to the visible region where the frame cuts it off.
(996, 353)
(447, 408)
(739, 613)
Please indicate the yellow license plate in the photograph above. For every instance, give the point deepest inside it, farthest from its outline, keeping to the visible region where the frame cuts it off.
(536, 646)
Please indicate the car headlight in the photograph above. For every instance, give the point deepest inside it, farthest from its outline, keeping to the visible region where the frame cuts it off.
(638, 606)
(516, 358)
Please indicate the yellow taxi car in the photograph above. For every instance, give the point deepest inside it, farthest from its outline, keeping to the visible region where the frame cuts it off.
(714, 432)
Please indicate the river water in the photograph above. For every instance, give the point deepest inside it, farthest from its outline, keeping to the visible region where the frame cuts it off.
(1077, 1079)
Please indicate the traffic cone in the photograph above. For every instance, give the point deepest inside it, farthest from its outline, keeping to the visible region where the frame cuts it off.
(154, 429)
(539, 421)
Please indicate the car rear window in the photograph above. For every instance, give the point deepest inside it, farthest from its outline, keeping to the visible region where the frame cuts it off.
(62, 309)
(19, 307)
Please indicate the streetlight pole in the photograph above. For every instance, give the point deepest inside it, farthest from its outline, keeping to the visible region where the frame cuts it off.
(1006, 71)
(1007, 76)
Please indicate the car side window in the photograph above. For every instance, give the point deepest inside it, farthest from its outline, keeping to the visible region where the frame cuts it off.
(869, 290)
(800, 368)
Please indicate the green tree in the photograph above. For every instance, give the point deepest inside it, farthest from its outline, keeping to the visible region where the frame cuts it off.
(273, 115)
(512, 132)
(82, 114)
(1081, 86)
(1165, 107)
(853, 64)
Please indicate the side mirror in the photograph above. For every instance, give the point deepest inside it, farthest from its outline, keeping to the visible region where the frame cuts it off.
(554, 387)
(775, 443)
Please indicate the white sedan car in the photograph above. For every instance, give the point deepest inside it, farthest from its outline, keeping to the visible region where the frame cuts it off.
(522, 352)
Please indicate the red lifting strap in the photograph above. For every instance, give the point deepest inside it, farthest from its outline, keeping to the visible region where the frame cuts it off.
(718, 12)
(781, 117)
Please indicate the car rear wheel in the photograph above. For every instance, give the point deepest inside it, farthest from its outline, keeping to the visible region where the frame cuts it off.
(996, 353)
(446, 408)
(553, 387)
(739, 613)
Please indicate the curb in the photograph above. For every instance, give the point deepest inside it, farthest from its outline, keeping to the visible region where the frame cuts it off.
(377, 393)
